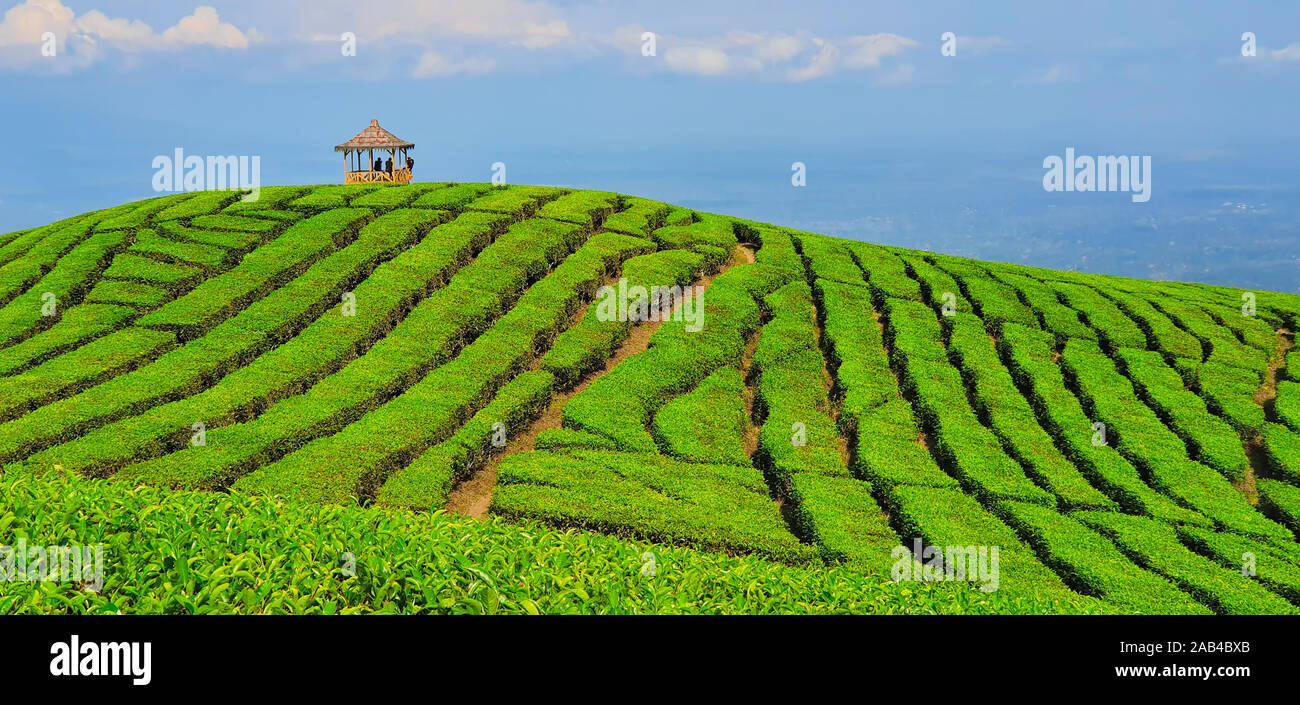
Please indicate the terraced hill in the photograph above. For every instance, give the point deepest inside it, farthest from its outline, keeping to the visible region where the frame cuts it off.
(1124, 443)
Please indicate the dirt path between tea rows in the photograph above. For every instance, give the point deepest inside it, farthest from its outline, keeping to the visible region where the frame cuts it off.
(474, 496)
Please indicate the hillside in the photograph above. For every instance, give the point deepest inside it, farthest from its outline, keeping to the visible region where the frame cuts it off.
(450, 347)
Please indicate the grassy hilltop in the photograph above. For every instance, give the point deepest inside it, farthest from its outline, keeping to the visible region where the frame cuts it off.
(311, 403)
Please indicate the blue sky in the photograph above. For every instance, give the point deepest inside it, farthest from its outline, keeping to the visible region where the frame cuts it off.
(902, 144)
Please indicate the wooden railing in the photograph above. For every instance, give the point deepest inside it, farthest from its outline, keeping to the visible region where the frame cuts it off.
(397, 176)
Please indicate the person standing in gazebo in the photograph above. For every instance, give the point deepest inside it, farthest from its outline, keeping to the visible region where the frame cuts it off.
(369, 141)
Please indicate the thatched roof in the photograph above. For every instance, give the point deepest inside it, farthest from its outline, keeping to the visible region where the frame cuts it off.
(373, 137)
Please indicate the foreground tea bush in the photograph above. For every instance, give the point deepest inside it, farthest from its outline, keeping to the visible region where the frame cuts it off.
(193, 552)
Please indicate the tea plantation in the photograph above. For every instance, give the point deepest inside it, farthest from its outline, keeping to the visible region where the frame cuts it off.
(290, 405)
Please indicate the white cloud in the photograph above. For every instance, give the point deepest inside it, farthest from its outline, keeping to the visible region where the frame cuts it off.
(821, 64)
(780, 49)
(123, 33)
(624, 38)
(525, 23)
(866, 51)
(1057, 73)
(433, 64)
(204, 27)
(84, 38)
(1290, 52)
(1267, 59)
(978, 46)
(436, 33)
(792, 57)
(698, 60)
(765, 49)
(457, 37)
(538, 36)
(24, 24)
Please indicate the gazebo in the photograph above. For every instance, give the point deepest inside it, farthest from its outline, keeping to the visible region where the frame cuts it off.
(359, 166)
